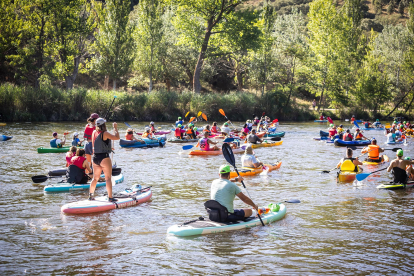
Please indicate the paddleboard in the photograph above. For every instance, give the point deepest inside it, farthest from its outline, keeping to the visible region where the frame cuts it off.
(67, 187)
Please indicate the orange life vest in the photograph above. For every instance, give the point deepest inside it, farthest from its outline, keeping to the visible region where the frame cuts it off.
(129, 137)
(359, 136)
(146, 134)
(373, 153)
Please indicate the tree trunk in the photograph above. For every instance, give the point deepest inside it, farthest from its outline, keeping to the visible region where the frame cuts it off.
(190, 76)
(70, 79)
(408, 107)
(106, 83)
(239, 76)
(168, 84)
(200, 61)
(400, 101)
(150, 72)
(114, 85)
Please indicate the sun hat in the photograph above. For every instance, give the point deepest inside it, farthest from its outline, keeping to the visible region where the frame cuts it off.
(100, 121)
(75, 134)
(400, 152)
(94, 116)
(224, 169)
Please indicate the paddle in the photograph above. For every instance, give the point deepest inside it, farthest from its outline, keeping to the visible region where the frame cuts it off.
(355, 148)
(329, 120)
(229, 156)
(43, 178)
(187, 114)
(357, 157)
(224, 114)
(356, 124)
(107, 112)
(204, 116)
(362, 176)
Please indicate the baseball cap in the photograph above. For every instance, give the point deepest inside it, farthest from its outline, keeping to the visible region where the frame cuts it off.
(94, 116)
(151, 123)
(179, 125)
(100, 121)
(224, 169)
(75, 134)
(54, 134)
(400, 152)
(179, 118)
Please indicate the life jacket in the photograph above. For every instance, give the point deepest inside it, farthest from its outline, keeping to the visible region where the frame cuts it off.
(99, 145)
(146, 135)
(204, 145)
(53, 143)
(75, 174)
(373, 152)
(129, 137)
(332, 132)
(358, 136)
(347, 137)
(68, 159)
(321, 118)
(178, 132)
(87, 133)
(366, 125)
(214, 129)
(400, 175)
(348, 165)
(152, 128)
(78, 162)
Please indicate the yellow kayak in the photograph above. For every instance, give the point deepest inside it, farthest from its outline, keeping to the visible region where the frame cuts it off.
(255, 146)
(2, 124)
(385, 160)
(253, 171)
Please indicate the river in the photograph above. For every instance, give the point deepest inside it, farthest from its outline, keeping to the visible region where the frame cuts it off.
(338, 228)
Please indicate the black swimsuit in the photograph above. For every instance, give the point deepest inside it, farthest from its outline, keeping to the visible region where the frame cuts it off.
(102, 149)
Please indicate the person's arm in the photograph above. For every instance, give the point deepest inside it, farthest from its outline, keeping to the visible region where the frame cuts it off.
(381, 150)
(391, 166)
(64, 140)
(110, 136)
(364, 150)
(247, 200)
(357, 162)
(86, 166)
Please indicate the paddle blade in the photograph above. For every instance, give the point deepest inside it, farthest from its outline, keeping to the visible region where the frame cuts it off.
(263, 114)
(127, 124)
(116, 171)
(276, 138)
(204, 116)
(228, 154)
(396, 149)
(187, 114)
(228, 140)
(329, 120)
(362, 176)
(222, 112)
(356, 124)
(352, 147)
(275, 121)
(192, 119)
(39, 178)
(293, 201)
(199, 113)
(188, 147)
(265, 170)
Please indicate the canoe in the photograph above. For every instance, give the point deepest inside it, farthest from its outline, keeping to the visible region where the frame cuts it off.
(213, 152)
(321, 121)
(206, 226)
(175, 140)
(158, 132)
(395, 186)
(346, 176)
(5, 137)
(275, 134)
(101, 204)
(255, 146)
(67, 187)
(253, 171)
(385, 160)
(323, 133)
(54, 150)
(342, 143)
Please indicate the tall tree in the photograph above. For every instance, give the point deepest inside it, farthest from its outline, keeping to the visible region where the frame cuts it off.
(209, 14)
(114, 42)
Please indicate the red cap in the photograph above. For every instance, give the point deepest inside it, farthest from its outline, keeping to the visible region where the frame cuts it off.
(94, 116)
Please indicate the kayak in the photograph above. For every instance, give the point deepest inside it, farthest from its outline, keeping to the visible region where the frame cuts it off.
(321, 121)
(158, 132)
(5, 137)
(253, 171)
(3, 124)
(68, 187)
(395, 186)
(136, 144)
(206, 226)
(373, 128)
(323, 138)
(54, 150)
(346, 176)
(275, 134)
(264, 144)
(60, 172)
(176, 140)
(385, 160)
(101, 204)
(342, 143)
(395, 143)
(213, 152)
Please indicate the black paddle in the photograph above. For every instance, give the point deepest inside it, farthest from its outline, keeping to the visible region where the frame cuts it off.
(109, 109)
(355, 148)
(43, 178)
(229, 156)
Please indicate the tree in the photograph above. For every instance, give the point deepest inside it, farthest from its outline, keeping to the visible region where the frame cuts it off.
(148, 36)
(71, 24)
(114, 43)
(390, 8)
(192, 14)
(401, 8)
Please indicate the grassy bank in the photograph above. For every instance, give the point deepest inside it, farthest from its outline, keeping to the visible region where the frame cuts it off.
(18, 103)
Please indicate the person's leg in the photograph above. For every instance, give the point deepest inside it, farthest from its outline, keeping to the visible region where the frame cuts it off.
(247, 212)
(106, 165)
(96, 174)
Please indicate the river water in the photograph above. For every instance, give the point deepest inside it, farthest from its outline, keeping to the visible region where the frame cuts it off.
(338, 228)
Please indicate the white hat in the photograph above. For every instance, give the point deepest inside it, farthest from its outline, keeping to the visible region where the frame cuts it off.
(75, 134)
(147, 128)
(151, 123)
(100, 121)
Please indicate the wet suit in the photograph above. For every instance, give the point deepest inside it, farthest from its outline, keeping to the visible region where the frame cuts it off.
(400, 175)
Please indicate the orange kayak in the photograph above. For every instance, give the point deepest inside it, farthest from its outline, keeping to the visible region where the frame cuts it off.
(213, 152)
(253, 171)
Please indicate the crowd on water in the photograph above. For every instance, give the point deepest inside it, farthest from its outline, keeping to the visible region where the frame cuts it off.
(87, 163)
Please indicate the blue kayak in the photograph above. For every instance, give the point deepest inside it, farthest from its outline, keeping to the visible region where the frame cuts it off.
(68, 187)
(5, 137)
(396, 143)
(323, 133)
(275, 134)
(373, 128)
(342, 143)
(149, 143)
(321, 121)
